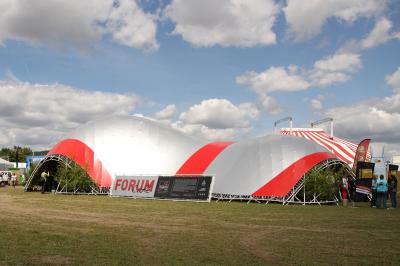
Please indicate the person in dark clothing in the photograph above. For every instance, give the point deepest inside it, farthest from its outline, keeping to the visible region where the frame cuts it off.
(373, 191)
(392, 184)
(352, 191)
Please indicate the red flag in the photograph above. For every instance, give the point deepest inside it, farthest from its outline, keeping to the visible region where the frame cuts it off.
(361, 153)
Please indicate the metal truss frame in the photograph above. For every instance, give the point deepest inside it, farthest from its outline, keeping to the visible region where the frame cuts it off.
(60, 159)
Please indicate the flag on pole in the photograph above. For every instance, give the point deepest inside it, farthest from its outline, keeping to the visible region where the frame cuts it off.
(361, 152)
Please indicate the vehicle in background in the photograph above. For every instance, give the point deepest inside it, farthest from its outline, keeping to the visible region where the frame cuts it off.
(4, 178)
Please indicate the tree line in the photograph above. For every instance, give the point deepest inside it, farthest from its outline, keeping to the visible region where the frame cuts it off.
(15, 154)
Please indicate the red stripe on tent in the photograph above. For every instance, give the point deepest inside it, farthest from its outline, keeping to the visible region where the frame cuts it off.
(345, 149)
(331, 148)
(281, 184)
(84, 156)
(337, 149)
(202, 158)
(335, 143)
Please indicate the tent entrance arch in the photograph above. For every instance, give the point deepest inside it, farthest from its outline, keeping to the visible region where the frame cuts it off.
(51, 164)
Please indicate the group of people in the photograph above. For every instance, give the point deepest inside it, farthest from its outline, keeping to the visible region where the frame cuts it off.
(10, 179)
(382, 189)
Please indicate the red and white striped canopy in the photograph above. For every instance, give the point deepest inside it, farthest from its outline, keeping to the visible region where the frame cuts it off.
(343, 149)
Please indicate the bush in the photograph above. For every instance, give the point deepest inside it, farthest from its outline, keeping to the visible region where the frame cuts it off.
(323, 183)
(73, 178)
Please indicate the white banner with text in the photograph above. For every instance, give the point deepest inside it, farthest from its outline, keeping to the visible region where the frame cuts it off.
(134, 186)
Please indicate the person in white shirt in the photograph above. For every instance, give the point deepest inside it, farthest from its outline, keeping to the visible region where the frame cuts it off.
(13, 179)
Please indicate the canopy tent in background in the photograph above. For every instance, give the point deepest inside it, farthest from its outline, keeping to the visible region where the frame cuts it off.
(4, 164)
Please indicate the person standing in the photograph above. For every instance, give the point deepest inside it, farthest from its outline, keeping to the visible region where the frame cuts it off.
(381, 189)
(344, 190)
(373, 191)
(352, 190)
(393, 190)
(13, 179)
(23, 179)
(44, 177)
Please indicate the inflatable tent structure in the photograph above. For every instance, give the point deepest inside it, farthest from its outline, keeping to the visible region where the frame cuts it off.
(267, 168)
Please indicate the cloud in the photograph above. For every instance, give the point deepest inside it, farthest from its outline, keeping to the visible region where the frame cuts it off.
(273, 79)
(369, 119)
(220, 114)
(393, 80)
(327, 71)
(167, 113)
(239, 23)
(349, 62)
(334, 69)
(268, 104)
(316, 104)
(305, 19)
(380, 34)
(38, 115)
(378, 119)
(204, 132)
(330, 70)
(217, 119)
(130, 26)
(77, 24)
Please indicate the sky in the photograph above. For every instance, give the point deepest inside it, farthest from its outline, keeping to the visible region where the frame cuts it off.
(218, 70)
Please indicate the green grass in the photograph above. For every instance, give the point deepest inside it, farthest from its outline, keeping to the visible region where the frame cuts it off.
(84, 230)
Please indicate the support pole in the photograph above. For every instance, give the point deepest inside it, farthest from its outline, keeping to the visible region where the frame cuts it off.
(289, 118)
(304, 190)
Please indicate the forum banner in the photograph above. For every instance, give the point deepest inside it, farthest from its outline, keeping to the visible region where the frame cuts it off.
(198, 188)
(134, 186)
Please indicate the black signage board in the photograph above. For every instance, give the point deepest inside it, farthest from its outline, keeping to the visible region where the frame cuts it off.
(365, 169)
(184, 187)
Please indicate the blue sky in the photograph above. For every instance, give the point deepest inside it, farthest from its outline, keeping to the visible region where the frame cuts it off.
(216, 70)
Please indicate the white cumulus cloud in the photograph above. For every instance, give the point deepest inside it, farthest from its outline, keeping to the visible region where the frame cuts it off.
(219, 114)
(76, 23)
(379, 34)
(334, 69)
(167, 113)
(217, 119)
(393, 80)
(316, 104)
(268, 104)
(349, 62)
(330, 70)
(273, 79)
(306, 18)
(378, 119)
(239, 23)
(38, 115)
(204, 132)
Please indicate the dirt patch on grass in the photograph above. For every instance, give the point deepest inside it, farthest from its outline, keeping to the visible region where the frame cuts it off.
(52, 260)
(251, 243)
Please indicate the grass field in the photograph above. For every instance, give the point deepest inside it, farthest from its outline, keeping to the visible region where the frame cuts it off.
(81, 230)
